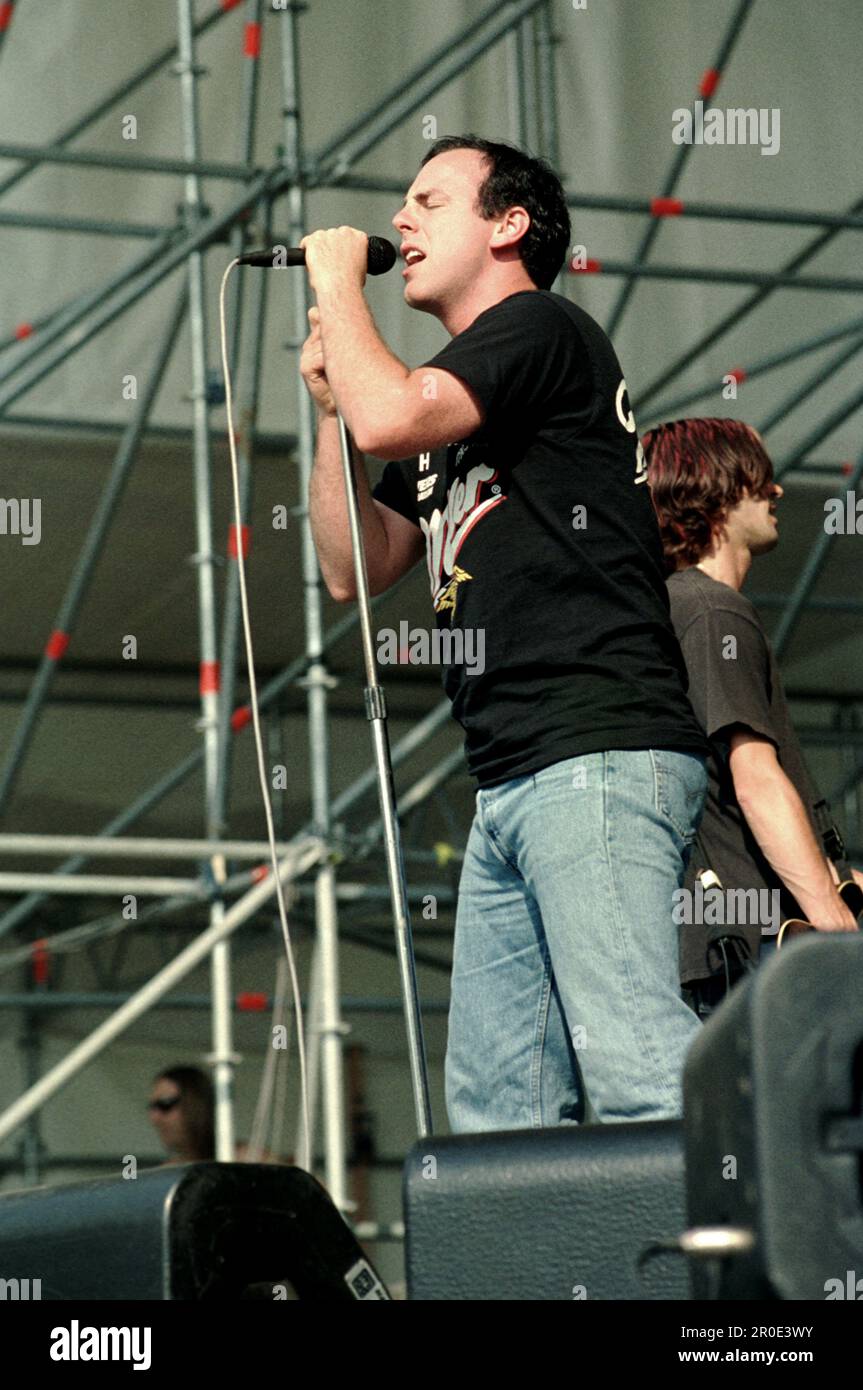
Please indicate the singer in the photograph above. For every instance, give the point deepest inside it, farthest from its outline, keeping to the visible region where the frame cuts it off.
(515, 467)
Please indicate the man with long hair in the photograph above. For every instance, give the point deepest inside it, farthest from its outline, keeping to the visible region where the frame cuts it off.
(715, 497)
(515, 466)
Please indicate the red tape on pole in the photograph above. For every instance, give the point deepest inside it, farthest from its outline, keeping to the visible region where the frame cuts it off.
(589, 268)
(709, 82)
(56, 645)
(252, 40)
(6, 14)
(245, 535)
(23, 330)
(209, 683)
(666, 207)
(250, 1002)
(230, 4)
(738, 374)
(41, 958)
(260, 872)
(241, 717)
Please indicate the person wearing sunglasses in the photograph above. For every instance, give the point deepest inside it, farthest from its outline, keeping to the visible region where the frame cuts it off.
(181, 1112)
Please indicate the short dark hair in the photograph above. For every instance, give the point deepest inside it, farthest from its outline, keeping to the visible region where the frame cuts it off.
(518, 179)
(697, 470)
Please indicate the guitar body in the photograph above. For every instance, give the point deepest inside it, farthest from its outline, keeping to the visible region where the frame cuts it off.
(794, 926)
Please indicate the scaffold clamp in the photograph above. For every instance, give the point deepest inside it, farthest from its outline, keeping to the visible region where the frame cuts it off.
(376, 705)
(317, 677)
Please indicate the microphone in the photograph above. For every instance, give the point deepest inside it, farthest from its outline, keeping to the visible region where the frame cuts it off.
(382, 256)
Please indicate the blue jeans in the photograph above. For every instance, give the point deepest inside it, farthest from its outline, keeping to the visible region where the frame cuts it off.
(565, 967)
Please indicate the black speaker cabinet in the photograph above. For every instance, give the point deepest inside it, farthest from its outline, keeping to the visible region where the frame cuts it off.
(546, 1214)
(773, 1116)
(199, 1232)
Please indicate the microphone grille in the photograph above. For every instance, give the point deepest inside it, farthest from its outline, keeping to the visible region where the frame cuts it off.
(382, 255)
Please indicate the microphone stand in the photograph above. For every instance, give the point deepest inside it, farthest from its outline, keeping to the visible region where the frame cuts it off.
(376, 712)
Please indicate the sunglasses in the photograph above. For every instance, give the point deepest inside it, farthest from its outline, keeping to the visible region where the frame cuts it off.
(164, 1104)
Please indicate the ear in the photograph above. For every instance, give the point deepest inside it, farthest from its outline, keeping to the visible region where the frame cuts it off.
(510, 227)
(718, 530)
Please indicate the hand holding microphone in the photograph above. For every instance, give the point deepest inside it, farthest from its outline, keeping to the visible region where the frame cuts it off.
(331, 255)
(337, 259)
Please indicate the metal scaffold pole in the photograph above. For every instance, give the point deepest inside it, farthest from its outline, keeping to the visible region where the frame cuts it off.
(670, 410)
(546, 40)
(811, 569)
(88, 559)
(222, 1058)
(113, 98)
(248, 328)
(787, 271)
(168, 783)
(707, 86)
(302, 856)
(326, 1023)
(518, 132)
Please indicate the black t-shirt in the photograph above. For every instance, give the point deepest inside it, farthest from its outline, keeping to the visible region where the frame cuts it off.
(540, 534)
(733, 681)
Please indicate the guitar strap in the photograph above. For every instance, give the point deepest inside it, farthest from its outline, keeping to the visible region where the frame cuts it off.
(834, 846)
(828, 830)
(727, 953)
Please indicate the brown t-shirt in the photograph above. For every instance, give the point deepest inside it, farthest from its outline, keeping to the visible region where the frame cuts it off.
(734, 682)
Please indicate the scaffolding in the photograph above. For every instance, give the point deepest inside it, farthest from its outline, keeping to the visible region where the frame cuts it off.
(231, 894)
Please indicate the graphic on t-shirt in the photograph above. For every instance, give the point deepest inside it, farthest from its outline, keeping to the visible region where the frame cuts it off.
(627, 419)
(425, 487)
(449, 595)
(445, 531)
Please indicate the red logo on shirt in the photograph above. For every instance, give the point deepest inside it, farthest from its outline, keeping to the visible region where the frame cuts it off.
(446, 530)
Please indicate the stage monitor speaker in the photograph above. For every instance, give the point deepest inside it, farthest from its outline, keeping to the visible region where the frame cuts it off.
(197, 1232)
(554, 1214)
(773, 1116)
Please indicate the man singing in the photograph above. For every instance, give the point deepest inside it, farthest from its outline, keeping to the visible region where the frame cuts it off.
(766, 826)
(520, 477)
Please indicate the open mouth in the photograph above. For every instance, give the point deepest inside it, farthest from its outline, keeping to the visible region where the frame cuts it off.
(412, 257)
